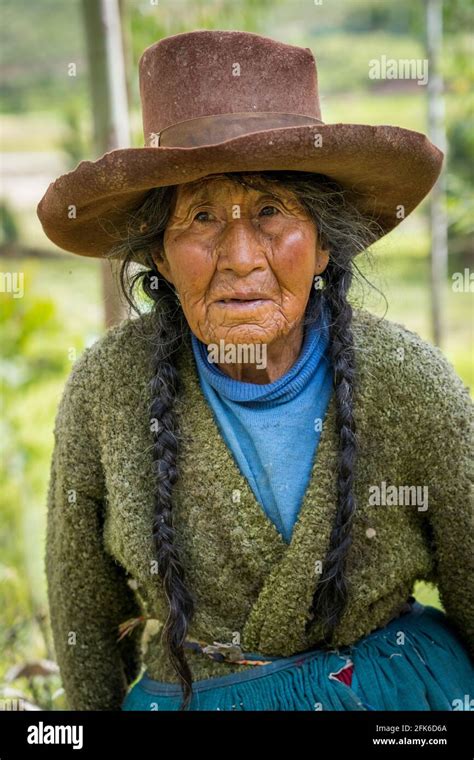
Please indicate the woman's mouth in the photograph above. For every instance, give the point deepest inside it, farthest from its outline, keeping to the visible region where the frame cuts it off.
(237, 303)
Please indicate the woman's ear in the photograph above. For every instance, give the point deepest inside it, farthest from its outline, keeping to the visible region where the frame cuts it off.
(162, 265)
(322, 260)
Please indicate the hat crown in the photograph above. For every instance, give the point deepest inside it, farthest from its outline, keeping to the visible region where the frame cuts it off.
(206, 73)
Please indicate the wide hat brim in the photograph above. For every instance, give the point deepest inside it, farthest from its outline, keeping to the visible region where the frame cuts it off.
(385, 170)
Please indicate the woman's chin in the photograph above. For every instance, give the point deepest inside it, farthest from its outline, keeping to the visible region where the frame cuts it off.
(243, 333)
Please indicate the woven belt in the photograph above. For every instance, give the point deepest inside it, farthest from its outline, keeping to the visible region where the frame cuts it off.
(223, 652)
(216, 651)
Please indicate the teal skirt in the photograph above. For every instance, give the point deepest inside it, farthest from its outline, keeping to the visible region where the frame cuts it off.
(416, 662)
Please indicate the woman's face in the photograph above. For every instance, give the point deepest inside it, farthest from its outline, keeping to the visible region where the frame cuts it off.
(241, 260)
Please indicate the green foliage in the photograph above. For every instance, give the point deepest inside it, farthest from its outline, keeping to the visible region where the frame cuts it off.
(335, 77)
(460, 139)
(75, 143)
(457, 15)
(30, 352)
(33, 367)
(460, 203)
(37, 41)
(404, 17)
(9, 232)
(368, 16)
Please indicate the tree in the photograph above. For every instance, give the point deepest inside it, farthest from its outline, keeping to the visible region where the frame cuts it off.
(110, 112)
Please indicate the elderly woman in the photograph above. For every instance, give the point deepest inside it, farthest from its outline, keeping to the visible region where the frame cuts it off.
(250, 476)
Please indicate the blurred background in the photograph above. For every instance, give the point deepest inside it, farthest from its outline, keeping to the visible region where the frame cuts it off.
(63, 63)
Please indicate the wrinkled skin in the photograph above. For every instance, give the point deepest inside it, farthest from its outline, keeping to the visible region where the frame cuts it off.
(222, 239)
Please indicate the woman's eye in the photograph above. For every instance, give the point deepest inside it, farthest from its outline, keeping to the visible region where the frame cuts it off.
(199, 213)
(269, 207)
(204, 216)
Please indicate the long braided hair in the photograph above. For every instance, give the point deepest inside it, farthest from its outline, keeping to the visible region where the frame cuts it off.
(343, 232)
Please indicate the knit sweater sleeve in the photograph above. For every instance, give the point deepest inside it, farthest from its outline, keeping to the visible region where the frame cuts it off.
(442, 444)
(88, 593)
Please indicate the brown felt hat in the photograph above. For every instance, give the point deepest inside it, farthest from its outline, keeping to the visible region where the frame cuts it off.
(230, 101)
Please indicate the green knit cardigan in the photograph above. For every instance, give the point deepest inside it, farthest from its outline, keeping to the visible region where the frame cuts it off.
(414, 425)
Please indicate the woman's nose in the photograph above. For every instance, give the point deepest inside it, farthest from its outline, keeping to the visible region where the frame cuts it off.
(240, 247)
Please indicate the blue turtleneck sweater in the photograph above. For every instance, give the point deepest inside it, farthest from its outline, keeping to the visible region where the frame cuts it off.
(273, 430)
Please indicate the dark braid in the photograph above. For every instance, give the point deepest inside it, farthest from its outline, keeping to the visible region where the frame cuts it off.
(330, 598)
(343, 233)
(165, 387)
(170, 327)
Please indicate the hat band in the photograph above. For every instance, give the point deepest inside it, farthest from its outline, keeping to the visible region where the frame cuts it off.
(209, 130)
